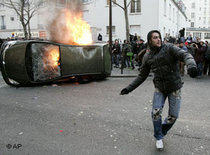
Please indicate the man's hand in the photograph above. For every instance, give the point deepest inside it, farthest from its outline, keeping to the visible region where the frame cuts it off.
(193, 72)
(113, 50)
(124, 91)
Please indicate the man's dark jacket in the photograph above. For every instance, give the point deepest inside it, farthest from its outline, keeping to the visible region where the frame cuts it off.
(116, 49)
(164, 65)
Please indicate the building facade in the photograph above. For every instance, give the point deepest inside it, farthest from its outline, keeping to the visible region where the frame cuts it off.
(167, 16)
(10, 25)
(144, 15)
(198, 13)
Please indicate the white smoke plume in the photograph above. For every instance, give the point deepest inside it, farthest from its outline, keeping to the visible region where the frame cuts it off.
(55, 19)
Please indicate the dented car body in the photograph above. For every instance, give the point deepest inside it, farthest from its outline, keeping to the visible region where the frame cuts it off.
(40, 62)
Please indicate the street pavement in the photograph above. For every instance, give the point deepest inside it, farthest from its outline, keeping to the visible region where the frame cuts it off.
(126, 72)
(93, 119)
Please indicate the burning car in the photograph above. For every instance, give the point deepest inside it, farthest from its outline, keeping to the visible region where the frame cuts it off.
(40, 62)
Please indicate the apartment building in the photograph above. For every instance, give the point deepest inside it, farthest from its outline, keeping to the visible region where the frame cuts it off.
(10, 26)
(198, 13)
(144, 15)
(167, 16)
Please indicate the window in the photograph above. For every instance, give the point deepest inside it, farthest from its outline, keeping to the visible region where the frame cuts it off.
(204, 20)
(86, 1)
(177, 17)
(193, 5)
(197, 34)
(135, 6)
(40, 54)
(2, 21)
(43, 4)
(165, 7)
(164, 31)
(169, 11)
(1, 6)
(12, 18)
(3, 27)
(192, 24)
(26, 2)
(192, 15)
(40, 26)
(107, 29)
(62, 1)
(108, 1)
(206, 35)
(135, 29)
(173, 14)
(85, 14)
(205, 2)
(204, 11)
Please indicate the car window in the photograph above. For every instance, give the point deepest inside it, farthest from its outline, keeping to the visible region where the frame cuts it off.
(45, 61)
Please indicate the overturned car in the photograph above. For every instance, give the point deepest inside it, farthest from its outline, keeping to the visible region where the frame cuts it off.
(40, 62)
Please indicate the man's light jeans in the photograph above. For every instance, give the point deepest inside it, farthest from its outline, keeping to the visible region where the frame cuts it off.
(174, 99)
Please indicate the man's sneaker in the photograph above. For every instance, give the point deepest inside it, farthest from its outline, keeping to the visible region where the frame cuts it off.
(159, 144)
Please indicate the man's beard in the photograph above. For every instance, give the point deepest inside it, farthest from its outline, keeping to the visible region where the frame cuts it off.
(155, 48)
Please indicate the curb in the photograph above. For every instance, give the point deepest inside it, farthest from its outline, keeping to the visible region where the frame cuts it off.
(127, 75)
(121, 76)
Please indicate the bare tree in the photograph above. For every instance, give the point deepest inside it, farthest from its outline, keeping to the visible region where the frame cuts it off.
(125, 9)
(25, 9)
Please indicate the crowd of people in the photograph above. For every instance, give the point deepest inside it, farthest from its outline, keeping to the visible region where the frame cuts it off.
(200, 50)
(126, 54)
(129, 54)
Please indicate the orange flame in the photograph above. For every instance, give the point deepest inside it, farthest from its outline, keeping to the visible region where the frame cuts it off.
(70, 28)
(51, 58)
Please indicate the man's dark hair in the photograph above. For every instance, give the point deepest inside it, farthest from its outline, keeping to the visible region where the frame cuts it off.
(149, 36)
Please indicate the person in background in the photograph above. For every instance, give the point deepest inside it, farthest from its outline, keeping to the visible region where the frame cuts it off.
(162, 60)
(99, 37)
(192, 47)
(182, 34)
(206, 69)
(116, 53)
(124, 58)
(140, 51)
(182, 64)
(199, 57)
(189, 38)
(135, 38)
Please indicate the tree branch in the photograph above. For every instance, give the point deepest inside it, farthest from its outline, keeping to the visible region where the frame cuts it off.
(129, 3)
(118, 5)
(12, 5)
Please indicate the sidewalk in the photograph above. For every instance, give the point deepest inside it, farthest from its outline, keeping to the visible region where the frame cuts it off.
(126, 72)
